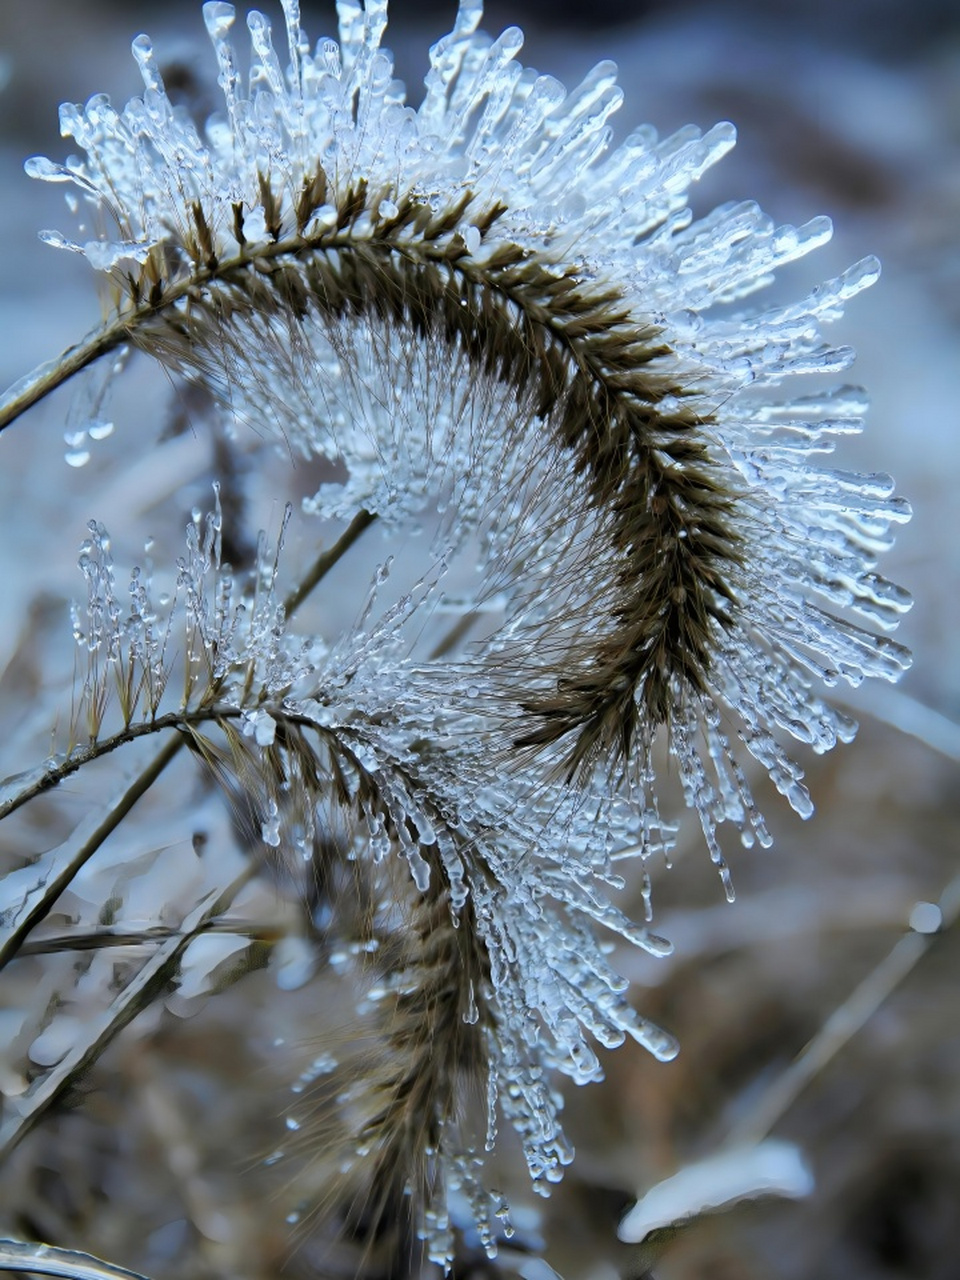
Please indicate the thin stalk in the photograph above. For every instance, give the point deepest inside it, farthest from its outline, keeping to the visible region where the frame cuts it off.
(48, 377)
(104, 938)
(326, 560)
(59, 772)
(45, 1260)
(843, 1024)
(55, 886)
(102, 1029)
(456, 633)
(909, 715)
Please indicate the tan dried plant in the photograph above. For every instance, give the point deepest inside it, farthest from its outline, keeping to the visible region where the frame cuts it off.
(474, 320)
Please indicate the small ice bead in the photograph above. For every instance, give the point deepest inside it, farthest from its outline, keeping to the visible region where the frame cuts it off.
(388, 210)
(58, 241)
(265, 731)
(219, 18)
(926, 917)
(471, 238)
(46, 170)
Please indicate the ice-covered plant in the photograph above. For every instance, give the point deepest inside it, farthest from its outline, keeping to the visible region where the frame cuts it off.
(493, 329)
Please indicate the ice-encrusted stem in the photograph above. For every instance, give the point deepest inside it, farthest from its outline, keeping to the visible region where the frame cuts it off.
(46, 1260)
(48, 377)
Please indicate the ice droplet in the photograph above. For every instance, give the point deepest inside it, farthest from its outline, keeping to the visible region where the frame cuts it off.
(471, 1014)
(77, 457)
(388, 210)
(926, 917)
(259, 725)
(46, 170)
(503, 1213)
(270, 828)
(218, 18)
(143, 52)
(58, 241)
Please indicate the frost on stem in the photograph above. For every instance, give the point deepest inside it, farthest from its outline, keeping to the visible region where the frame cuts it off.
(230, 644)
(489, 319)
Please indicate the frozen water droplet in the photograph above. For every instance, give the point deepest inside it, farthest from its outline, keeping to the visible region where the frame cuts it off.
(471, 1014)
(292, 1124)
(388, 210)
(142, 48)
(219, 18)
(77, 457)
(44, 169)
(926, 917)
(472, 237)
(58, 241)
(100, 430)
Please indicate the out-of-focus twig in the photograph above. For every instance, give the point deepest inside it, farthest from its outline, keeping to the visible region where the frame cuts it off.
(101, 1030)
(847, 1020)
(900, 711)
(45, 1260)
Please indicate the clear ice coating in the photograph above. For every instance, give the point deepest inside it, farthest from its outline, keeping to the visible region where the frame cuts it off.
(426, 420)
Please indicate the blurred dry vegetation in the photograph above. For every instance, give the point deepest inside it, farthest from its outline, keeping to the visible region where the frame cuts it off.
(158, 1161)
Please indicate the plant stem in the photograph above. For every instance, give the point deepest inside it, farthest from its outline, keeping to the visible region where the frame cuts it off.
(48, 377)
(102, 1029)
(326, 560)
(55, 886)
(843, 1024)
(45, 1260)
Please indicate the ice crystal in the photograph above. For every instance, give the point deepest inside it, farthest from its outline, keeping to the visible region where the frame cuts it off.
(232, 646)
(483, 312)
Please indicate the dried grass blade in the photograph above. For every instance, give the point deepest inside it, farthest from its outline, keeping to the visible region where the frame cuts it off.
(50, 879)
(101, 1030)
(45, 1260)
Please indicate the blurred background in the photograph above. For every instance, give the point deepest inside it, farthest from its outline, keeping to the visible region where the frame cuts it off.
(850, 108)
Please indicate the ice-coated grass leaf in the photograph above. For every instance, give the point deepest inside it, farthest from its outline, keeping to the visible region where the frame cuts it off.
(45, 1260)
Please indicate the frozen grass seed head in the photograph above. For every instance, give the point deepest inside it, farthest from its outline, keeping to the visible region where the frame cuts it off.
(491, 318)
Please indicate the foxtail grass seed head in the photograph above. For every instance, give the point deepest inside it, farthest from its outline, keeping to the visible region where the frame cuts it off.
(491, 318)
